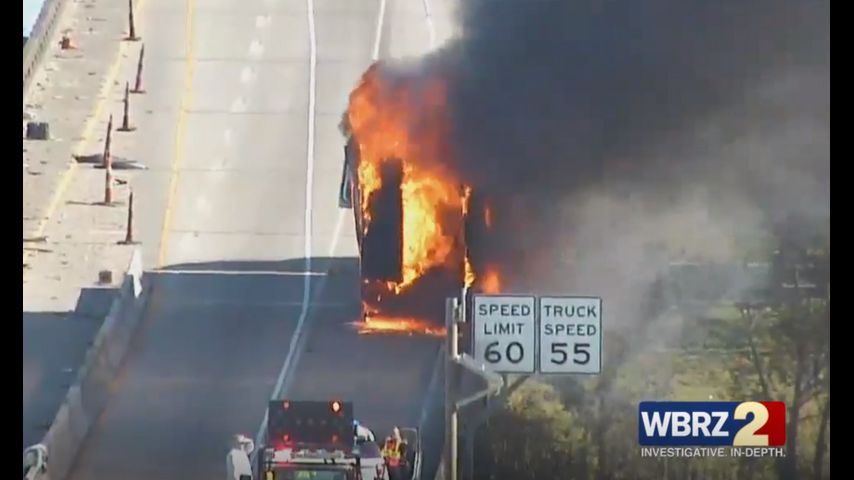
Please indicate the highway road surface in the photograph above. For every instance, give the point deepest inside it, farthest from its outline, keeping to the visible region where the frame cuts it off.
(239, 211)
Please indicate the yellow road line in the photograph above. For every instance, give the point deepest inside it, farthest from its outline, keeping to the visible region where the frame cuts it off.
(180, 131)
(79, 147)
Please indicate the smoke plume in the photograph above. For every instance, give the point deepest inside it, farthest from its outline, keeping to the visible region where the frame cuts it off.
(568, 93)
(643, 121)
(619, 124)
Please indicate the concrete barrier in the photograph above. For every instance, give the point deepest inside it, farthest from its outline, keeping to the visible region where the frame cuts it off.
(88, 396)
(41, 38)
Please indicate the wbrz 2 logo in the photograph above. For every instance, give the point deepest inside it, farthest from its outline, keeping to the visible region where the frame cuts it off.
(740, 424)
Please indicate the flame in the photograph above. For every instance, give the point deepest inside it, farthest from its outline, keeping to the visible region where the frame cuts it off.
(369, 178)
(469, 277)
(383, 116)
(469, 273)
(491, 282)
(379, 324)
(466, 200)
(487, 216)
(402, 118)
(425, 245)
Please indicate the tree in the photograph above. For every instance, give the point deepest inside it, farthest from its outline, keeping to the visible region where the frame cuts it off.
(530, 438)
(788, 350)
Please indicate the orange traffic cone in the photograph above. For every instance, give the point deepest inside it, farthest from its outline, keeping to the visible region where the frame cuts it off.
(137, 86)
(126, 117)
(131, 24)
(108, 166)
(129, 229)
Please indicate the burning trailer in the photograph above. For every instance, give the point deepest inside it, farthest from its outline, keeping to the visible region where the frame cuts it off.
(423, 230)
(403, 285)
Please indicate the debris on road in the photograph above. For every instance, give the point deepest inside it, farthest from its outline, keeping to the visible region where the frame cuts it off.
(118, 163)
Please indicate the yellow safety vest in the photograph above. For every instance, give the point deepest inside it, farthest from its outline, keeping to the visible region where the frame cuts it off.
(391, 452)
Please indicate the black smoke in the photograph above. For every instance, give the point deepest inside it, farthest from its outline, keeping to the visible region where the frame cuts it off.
(712, 115)
(603, 130)
(568, 93)
(617, 136)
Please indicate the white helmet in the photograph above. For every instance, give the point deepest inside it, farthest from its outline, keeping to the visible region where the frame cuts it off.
(242, 442)
(364, 434)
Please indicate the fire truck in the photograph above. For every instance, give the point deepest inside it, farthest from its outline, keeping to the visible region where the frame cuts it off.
(321, 440)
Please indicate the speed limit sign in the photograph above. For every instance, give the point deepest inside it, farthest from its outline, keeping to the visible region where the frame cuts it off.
(505, 333)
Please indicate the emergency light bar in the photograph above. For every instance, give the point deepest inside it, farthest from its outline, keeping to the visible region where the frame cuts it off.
(303, 426)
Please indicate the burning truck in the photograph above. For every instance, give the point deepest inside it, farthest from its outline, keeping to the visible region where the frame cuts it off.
(422, 232)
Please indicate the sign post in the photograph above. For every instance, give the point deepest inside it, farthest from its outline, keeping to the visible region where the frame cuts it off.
(451, 386)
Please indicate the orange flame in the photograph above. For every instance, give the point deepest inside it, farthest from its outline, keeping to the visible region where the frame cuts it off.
(466, 199)
(469, 273)
(395, 120)
(491, 282)
(487, 216)
(398, 325)
(468, 277)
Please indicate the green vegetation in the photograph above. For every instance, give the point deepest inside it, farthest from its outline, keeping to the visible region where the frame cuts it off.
(586, 428)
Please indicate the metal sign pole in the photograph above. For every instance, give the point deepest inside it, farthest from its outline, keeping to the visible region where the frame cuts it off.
(463, 318)
(452, 349)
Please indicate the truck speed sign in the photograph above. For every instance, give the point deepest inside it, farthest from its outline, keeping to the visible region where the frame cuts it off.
(570, 334)
(505, 332)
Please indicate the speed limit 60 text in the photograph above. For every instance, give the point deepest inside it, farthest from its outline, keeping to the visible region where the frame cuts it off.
(505, 332)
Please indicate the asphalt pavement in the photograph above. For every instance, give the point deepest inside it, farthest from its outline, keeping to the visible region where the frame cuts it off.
(239, 203)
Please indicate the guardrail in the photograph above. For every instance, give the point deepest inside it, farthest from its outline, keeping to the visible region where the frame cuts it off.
(87, 397)
(40, 38)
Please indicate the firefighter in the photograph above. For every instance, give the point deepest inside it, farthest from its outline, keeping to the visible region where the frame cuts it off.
(237, 463)
(393, 452)
(403, 449)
